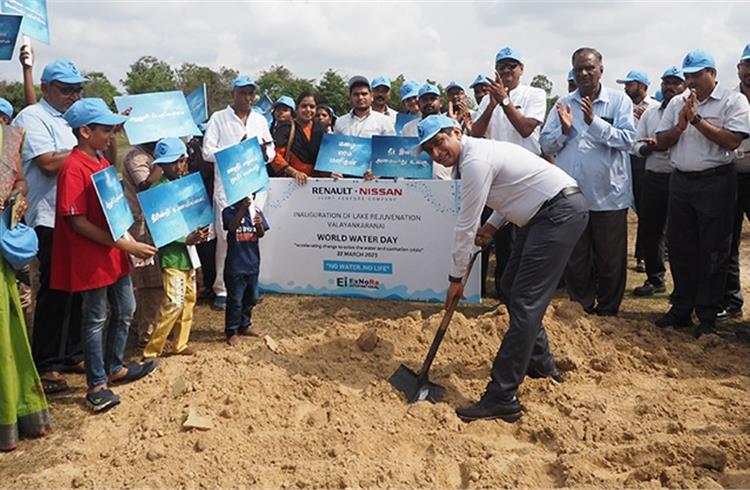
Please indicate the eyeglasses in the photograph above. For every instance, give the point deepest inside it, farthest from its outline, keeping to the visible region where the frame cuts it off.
(66, 89)
(506, 66)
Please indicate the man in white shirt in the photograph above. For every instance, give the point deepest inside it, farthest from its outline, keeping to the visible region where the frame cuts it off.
(225, 128)
(362, 120)
(550, 213)
(381, 94)
(429, 104)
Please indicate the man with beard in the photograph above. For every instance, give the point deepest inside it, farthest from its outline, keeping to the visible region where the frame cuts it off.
(362, 120)
(652, 218)
(429, 104)
(381, 94)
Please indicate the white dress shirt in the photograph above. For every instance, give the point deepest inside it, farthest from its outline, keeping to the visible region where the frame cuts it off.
(656, 161)
(742, 154)
(366, 127)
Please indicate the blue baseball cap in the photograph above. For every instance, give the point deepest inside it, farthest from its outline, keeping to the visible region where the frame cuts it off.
(244, 81)
(410, 88)
(696, 61)
(480, 80)
(431, 125)
(6, 107)
(63, 71)
(169, 150)
(658, 96)
(428, 88)
(570, 75)
(745, 53)
(673, 71)
(92, 110)
(380, 82)
(454, 84)
(508, 53)
(287, 101)
(202, 127)
(635, 76)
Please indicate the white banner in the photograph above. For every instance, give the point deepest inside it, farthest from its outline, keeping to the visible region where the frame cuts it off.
(381, 239)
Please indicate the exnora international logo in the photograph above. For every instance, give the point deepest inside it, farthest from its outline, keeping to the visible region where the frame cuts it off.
(357, 283)
(357, 191)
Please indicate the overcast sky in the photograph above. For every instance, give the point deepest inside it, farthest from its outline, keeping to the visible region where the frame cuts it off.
(437, 40)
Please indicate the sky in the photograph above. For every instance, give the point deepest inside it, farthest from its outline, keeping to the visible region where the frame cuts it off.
(442, 41)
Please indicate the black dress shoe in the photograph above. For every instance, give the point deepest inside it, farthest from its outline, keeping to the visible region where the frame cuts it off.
(649, 289)
(729, 312)
(640, 266)
(488, 408)
(554, 374)
(670, 319)
(703, 329)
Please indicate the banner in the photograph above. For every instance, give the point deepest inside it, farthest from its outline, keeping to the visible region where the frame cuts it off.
(156, 115)
(198, 103)
(34, 14)
(174, 210)
(402, 119)
(242, 169)
(9, 26)
(378, 239)
(347, 155)
(394, 156)
(112, 198)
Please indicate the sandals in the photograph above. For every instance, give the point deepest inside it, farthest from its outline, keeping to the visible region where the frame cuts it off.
(54, 385)
(136, 372)
(100, 401)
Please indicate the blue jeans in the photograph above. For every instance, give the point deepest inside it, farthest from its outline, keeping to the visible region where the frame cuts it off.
(100, 361)
(242, 295)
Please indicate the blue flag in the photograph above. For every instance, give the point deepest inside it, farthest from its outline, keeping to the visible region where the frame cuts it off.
(394, 156)
(9, 26)
(198, 103)
(242, 169)
(176, 209)
(347, 155)
(156, 116)
(402, 119)
(34, 14)
(114, 204)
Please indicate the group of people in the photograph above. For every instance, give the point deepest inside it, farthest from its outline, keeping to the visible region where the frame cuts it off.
(551, 191)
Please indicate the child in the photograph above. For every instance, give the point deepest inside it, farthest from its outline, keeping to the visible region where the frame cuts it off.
(178, 274)
(245, 225)
(85, 259)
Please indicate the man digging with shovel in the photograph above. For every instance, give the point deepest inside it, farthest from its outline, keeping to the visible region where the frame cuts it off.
(550, 213)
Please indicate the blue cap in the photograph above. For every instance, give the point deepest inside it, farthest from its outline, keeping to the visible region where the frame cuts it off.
(454, 84)
(480, 80)
(380, 82)
(244, 81)
(570, 75)
(428, 88)
(508, 53)
(202, 127)
(431, 125)
(658, 96)
(63, 71)
(287, 101)
(696, 61)
(91, 110)
(635, 76)
(745, 53)
(6, 107)
(673, 71)
(410, 88)
(169, 150)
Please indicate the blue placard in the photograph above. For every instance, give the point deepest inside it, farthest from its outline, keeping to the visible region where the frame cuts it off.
(157, 115)
(242, 169)
(394, 156)
(34, 14)
(347, 155)
(9, 26)
(264, 106)
(176, 209)
(198, 104)
(402, 119)
(112, 198)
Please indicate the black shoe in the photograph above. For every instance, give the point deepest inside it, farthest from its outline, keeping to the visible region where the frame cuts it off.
(488, 409)
(729, 312)
(599, 312)
(554, 374)
(649, 289)
(673, 320)
(703, 329)
(640, 265)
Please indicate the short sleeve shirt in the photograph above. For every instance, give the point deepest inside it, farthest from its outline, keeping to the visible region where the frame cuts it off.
(80, 264)
(243, 252)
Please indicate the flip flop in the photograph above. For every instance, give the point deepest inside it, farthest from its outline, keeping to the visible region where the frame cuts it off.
(100, 401)
(136, 372)
(52, 386)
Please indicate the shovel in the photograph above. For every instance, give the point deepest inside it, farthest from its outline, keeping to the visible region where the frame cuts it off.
(417, 387)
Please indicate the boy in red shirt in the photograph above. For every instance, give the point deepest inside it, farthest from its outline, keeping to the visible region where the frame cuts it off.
(85, 259)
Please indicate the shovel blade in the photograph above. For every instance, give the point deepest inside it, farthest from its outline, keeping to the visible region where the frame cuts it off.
(407, 382)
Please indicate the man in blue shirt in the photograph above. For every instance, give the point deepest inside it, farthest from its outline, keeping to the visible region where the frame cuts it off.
(590, 134)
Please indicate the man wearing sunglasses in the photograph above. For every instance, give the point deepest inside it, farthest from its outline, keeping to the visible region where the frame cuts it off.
(55, 341)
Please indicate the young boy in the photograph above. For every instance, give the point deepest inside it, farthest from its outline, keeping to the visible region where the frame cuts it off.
(245, 225)
(178, 274)
(85, 259)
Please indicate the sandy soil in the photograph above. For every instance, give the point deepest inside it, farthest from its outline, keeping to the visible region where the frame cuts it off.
(641, 407)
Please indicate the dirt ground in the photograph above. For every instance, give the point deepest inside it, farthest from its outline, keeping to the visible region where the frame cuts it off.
(641, 406)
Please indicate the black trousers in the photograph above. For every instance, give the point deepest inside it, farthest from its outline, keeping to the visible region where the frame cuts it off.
(733, 291)
(701, 218)
(56, 337)
(597, 269)
(652, 223)
(502, 243)
(638, 173)
(536, 264)
(207, 254)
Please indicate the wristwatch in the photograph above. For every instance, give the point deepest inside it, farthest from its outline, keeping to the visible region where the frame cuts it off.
(505, 102)
(698, 118)
(454, 279)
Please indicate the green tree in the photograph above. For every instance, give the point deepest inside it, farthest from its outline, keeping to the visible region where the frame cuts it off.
(279, 80)
(542, 82)
(334, 91)
(100, 86)
(149, 74)
(13, 92)
(396, 84)
(218, 83)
